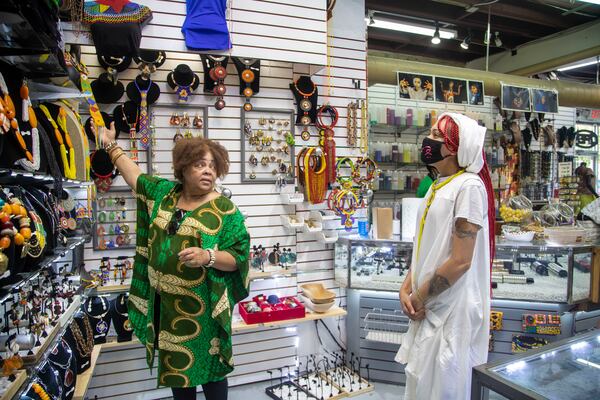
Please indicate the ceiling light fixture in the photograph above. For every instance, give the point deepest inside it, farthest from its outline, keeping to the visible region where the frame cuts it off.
(409, 27)
(590, 1)
(436, 35)
(466, 41)
(497, 40)
(576, 66)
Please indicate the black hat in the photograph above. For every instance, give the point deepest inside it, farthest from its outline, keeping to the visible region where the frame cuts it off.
(119, 64)
(183, 75)
(101, 166)
(154, 57)
(105, 91)
(125, 114)
(88, 126)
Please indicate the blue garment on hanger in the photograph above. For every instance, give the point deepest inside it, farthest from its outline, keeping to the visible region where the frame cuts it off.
(205, 26)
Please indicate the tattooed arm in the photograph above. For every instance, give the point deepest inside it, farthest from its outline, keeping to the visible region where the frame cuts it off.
(459, 262)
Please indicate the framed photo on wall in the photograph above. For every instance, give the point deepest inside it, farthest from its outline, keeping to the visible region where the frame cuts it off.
(515, 98)
(545, 101)
(476, 93)
(450, 90)
(415, 86)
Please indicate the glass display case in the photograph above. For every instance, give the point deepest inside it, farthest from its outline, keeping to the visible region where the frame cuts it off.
(542, 272)
(524, 271)
(564, 370)
(370, 263)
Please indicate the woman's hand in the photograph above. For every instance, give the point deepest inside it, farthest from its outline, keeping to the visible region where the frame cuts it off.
(107, 135)
(413, 308)
(194, 257)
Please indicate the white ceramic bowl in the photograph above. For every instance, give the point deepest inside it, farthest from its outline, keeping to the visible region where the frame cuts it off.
(318, 308)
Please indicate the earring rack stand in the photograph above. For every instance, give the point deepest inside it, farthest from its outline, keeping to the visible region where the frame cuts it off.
(95, 212)
(252, 117)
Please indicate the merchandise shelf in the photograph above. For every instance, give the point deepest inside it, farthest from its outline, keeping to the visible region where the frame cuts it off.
(26, 177)
(59, 253)
(240, 325)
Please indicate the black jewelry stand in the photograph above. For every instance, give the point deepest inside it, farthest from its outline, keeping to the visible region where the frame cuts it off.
(63, 360)
(99, 317)
(183, 75)
(120, 317)
(82, 363)
(306, 85)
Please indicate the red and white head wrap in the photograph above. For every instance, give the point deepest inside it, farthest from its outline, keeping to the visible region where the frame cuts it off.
(463, 136)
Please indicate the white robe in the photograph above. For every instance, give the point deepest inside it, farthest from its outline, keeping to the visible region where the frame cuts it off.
(441, 350)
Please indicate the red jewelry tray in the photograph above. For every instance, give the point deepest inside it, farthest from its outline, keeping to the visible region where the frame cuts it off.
(275, 315)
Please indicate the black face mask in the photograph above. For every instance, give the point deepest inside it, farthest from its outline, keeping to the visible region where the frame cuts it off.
(431, 151)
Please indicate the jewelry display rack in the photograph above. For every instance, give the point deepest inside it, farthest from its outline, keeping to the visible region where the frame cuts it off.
(260, 131)
(96, 210)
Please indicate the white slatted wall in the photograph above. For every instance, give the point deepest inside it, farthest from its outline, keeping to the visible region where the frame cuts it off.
(282, 33)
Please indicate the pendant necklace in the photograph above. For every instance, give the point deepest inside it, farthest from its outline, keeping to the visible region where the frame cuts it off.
(143, 115)
(183, 91)
(248, 77)
(126, 324)
(101, 325)
(305, 105)
(69, 376)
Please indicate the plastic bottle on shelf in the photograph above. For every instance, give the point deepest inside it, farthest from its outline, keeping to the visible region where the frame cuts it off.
(406, 153)
(409, 117)
(433, 118)
(395, 154)
(394, 180)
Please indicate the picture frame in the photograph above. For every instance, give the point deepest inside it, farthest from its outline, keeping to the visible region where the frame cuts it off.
(544, 101)
(450, 90)
(415, 86)
(476, 98)
(515, 98)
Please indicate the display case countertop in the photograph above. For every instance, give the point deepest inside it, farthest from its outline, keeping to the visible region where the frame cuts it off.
(564, 370)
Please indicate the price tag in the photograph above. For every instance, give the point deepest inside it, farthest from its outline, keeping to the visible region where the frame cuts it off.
(565, 169)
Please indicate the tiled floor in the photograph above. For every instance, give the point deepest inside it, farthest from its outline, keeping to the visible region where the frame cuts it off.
(256, 391)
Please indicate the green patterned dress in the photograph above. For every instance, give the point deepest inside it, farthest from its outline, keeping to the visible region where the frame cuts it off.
(194, 339)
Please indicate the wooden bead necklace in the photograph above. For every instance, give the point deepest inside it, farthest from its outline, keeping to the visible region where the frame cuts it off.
(31, 162)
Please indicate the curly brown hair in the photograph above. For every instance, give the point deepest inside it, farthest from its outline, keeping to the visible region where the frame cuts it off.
(188, 151)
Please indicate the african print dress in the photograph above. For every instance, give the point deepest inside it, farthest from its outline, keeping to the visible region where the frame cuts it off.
(194, 332)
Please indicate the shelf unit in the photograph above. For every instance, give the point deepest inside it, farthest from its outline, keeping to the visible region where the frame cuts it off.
(84, 379)
(31, 178)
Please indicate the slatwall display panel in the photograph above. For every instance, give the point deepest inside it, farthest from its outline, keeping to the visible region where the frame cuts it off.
(283, 30)
(261, 203)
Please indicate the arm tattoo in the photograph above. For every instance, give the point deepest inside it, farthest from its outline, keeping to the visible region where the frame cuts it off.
(437, 284)
(463, 233)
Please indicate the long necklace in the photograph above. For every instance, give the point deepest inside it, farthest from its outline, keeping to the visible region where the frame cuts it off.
(434, 188)
(126, 324)
(84, 345)
(364, 134)
(132, 132)
(351, 123)
(31, 162)
(143, 113)
(248, 77)
(68, 163)
(328, 143)
(315, 181)
(7, 108)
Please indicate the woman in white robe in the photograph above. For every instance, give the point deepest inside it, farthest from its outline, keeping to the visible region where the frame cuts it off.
(447, 291)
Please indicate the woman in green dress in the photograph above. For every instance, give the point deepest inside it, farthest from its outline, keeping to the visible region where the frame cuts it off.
(190, 269)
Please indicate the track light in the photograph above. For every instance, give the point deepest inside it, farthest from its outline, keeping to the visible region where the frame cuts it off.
(465, 43)
(497, 40)
(436, 35)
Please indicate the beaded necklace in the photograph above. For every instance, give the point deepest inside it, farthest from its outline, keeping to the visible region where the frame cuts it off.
(7, 108)
(68, 163)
